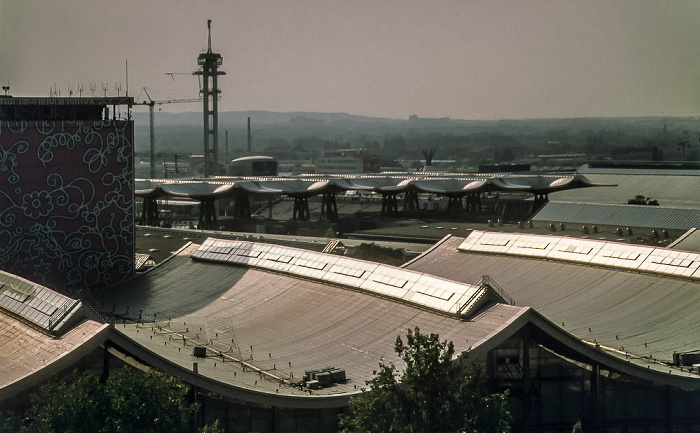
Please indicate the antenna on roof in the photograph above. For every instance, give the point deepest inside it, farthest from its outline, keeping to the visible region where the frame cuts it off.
(209, 27)
(7, 88)
(127, 78)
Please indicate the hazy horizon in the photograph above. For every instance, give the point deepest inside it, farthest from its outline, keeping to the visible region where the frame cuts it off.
(467, 60)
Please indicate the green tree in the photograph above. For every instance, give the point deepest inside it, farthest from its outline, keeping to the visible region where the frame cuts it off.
(577, 428)
(10, 423)
(152, 402)
(72, 407)
(128, 401)
(433, 394)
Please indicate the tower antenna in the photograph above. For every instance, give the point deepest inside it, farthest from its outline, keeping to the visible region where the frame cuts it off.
(209, 63)
(209, 29)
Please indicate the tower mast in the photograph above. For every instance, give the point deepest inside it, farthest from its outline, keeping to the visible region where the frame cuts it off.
(209, 63)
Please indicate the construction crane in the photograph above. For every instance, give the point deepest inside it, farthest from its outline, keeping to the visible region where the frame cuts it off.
(151, 103)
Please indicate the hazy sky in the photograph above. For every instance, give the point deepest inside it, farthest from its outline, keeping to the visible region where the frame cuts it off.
(487, 59)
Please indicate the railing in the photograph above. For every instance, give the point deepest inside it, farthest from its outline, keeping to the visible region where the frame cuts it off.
(60, 314)
(487, 281)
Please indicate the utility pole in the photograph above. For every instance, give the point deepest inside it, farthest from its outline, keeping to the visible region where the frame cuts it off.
(250, 140)
(210, 62)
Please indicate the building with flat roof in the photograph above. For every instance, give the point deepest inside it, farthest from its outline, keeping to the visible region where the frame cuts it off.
(67, 201)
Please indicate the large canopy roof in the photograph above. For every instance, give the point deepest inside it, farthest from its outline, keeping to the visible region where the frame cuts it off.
(455, 185)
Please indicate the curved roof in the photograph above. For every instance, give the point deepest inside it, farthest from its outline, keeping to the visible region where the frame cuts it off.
(41, 333)
(280, 325)
(30, 357)
(274, 322)
(643, 313)
(448, 185)
(253, 158)
(263, 328)
(544, 184)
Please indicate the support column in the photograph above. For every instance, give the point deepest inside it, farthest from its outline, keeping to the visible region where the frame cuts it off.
(595, 396)
(149, 213)
(241, 206)
(529, 397)
(301, 209)
(105, 363)
(454, 207)
(526, 362)
(207, 215)
(329, 207)
(410, 201)
(473, 203)
(390, 206)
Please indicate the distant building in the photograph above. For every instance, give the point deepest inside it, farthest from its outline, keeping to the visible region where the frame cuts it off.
(347, 161)
(252, 166)
(503, 168)
(67, 197)
(416, 121)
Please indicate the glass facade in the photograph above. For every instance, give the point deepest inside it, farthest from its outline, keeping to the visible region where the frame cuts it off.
(550, 393)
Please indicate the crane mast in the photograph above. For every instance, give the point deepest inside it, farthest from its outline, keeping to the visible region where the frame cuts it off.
(151, 103)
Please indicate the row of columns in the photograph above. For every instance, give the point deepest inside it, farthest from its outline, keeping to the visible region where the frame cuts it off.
(410, 204)
(329, 208)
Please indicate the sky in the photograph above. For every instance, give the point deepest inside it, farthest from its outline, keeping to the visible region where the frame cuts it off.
(463, 59)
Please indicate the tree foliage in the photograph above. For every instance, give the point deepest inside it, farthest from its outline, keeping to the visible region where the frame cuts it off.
(433, 394)
(129, 401)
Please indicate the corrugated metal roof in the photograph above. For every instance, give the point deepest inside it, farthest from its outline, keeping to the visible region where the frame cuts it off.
(586, 169)
(279, 323)
(29, 356)
(620, 215)
(645, 314)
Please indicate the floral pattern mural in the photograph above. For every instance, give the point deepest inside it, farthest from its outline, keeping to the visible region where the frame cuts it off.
(67, 202)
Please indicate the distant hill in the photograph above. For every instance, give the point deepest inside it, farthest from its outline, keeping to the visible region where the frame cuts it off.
(238, 119)
(293, 133)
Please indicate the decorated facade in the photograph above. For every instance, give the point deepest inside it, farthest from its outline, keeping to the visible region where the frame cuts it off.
(66, 193)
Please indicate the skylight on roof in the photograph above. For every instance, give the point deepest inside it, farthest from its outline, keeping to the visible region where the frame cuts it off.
(408, 286)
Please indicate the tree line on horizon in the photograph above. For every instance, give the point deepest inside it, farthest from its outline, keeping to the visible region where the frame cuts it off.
(468, 144)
